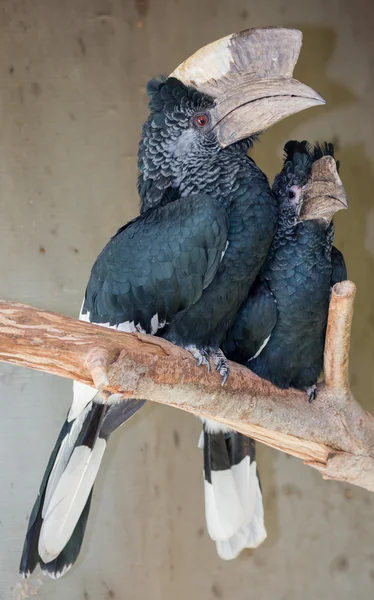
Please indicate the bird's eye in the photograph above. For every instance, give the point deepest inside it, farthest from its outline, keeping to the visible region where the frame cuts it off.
(293, 194)
(201, 121)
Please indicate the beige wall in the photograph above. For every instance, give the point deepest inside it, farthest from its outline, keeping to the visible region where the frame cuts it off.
(72, 93)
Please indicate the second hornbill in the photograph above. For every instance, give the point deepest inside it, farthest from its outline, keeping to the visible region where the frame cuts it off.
(183, 268)
(279, 333)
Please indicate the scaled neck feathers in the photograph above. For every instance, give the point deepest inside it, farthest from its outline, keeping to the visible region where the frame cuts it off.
(174, 161)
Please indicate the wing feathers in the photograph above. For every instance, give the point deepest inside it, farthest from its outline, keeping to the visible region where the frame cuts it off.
(164, 260)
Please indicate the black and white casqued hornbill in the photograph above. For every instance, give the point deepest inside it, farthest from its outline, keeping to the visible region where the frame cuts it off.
(183, 268)
(279, 333)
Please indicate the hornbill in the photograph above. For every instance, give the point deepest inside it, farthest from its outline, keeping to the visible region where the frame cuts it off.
(185, 265)
(279, 333)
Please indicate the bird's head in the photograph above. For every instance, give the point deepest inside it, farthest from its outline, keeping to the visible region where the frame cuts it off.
(225, 93)
(309, 187)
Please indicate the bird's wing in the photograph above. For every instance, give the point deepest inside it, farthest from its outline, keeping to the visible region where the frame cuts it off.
(253, 325)
(157, 265)
(339, 269)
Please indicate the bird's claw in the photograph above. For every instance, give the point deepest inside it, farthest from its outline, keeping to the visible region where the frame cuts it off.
(224, 374)
(222, 366)
(219, 359)
(202, 357)
(312, 392)
(203, 360)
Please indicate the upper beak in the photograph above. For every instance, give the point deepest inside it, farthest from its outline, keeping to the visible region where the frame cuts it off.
(255, 106)
(249, 75)
(324, 194)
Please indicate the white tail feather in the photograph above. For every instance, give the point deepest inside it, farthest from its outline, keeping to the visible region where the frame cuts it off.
(82, 395)
(251, 535)
(245, 476)
(69, 499)
(234, 510)
(223, 509)
(63, 457)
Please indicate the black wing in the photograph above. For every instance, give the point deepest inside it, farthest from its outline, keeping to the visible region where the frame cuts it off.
(339, 269)
(158, 264)
(253, 325)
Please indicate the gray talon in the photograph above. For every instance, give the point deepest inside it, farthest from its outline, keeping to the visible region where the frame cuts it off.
(311, 392)
(221, 364)
(225, 376)
(202, 357)
(219, 360)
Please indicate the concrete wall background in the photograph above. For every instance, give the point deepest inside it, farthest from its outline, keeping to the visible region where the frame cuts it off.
(72, 100)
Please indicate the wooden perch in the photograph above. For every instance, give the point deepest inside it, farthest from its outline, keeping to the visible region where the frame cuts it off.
(333, 433)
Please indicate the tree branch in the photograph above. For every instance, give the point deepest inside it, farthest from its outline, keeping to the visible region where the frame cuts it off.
(332, 434)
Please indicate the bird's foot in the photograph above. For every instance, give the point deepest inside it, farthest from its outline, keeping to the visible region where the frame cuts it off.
(202, 357)
(312, 392)
(219, 359)
(222, 365)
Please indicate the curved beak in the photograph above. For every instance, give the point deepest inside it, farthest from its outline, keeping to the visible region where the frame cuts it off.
(249, 75)
(324, 195)
(255, 106)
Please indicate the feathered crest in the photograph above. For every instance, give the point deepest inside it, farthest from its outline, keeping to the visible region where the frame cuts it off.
(310, 152)
(294, 147)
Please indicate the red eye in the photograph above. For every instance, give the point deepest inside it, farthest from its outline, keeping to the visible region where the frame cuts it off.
(201, 120)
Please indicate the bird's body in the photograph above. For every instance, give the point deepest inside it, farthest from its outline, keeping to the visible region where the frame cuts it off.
(252, 214)
(185, 265)
(190, 261)
(298, 274)
(279, 334)
(180, 270)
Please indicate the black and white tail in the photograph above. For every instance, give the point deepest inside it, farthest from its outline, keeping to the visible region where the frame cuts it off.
(59, 516)
(233, 499)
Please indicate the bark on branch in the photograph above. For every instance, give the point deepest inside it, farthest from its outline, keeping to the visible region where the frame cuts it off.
(332, 434)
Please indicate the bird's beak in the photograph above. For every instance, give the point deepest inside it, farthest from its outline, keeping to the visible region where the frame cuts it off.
(249, 75)
(324, 194)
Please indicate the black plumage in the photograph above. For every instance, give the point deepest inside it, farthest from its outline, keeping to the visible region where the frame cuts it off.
(223, 450)
(158, 264)
(183, 268)
(180, 270)
(280, 330)
(208, 218)
(339, 269)
(288, 305)
(99, 422)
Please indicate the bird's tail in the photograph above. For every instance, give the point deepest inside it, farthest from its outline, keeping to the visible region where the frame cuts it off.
(233, 498)
(58, 519)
